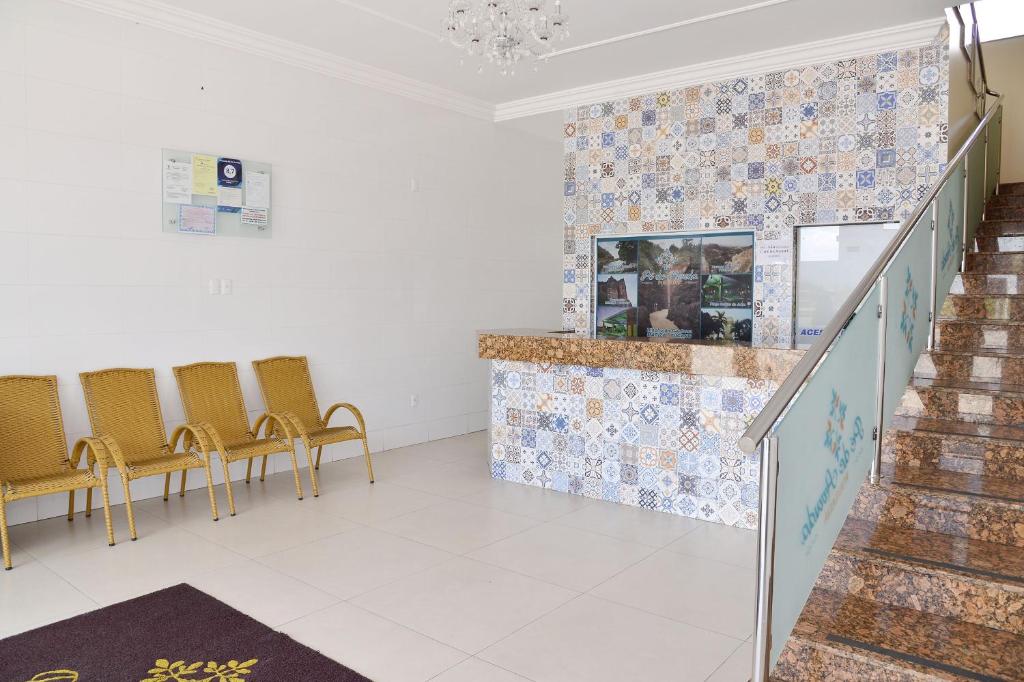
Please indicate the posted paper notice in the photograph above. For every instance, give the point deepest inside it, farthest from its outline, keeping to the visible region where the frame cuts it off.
(257, 189)
(177, 182)
(197, 219)
(204, 175)
(252, 215)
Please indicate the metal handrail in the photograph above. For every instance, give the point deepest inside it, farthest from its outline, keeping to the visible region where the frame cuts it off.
(787, 392)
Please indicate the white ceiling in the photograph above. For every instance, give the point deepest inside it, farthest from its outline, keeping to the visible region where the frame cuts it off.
(401, 35)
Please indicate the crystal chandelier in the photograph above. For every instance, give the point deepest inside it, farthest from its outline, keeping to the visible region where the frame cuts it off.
(505, 31)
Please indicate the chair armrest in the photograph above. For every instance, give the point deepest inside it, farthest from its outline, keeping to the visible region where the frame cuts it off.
(351, 408)
(195, 433)
(97, 453)
(290, 425)
(106, 450)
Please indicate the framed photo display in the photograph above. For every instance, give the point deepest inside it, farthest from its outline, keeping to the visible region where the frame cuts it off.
(680, 286)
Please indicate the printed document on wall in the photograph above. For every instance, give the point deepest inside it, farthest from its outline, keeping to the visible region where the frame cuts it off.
(177, 182)
(257, 189)
(204, 175)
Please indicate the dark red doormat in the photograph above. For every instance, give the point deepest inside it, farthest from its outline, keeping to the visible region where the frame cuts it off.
(175, 635)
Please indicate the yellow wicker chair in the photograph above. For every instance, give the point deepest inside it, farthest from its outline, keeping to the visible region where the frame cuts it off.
(124, 411)
(34, 452)
(288, 391)
(212, 398)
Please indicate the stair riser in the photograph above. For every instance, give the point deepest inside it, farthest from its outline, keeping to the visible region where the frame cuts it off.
(978, 408)
(995, 262)
(1011, 188)
(1006, 244)
(970, 517)
(1012, 200)
(983, 308)
(804, 661)
(977, 284)
(1004, 213)
(967, 336)
(971, 367)
(889, 581)
(1000, 228)
(949, 453)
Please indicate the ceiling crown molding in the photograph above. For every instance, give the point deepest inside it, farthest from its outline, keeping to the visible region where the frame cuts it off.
(893, 38)
(202, 27)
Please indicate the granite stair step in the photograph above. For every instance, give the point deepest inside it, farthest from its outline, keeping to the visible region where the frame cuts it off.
(1004, 212)
(980, 284)
(983, 307)
(1004, 244)
(1006, 200)
(1000, 228)
(952, 502)
(845, 638)
(972, 580)
(1011, 188)
(1005, 335)
(991, 450)
(980, 402)
(970, 365)
(995, 262)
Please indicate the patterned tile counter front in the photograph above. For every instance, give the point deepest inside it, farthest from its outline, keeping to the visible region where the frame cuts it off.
(651, 434)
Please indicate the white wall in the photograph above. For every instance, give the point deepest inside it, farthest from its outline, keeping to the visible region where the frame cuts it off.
(382, 287)
(1003, 62)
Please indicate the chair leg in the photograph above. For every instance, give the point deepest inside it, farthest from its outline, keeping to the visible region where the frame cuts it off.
(71, 505)
(88, 502)
(248, 471)
(184, 475)
(319, 450)
(312, 471)
(263, 471)
(128, 506)
(167, 485)
(369, 461)
(4, 540)
(209, 489)
(106, 513)
(295, 470)
(227, 486)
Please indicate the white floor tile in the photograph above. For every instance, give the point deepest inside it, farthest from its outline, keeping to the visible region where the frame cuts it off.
(736, 546)
(456, 526)
(592, 640)
(477, 670)
(374, 503)
(566, 556)
(447, 480)
(525, 500)
(158, 559)
(737, 667)
(465, 604)
(630, 523)
(262, 593)
(709, 594)
(32, 595)
(378, 648)
(52, 538)
(355, 561)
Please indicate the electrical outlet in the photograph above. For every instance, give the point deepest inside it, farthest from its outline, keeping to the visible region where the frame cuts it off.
(226, 287)
(214, 287)
(414, 185)
(414, 400)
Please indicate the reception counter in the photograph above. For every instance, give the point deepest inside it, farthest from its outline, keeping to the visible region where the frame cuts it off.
(646, 422)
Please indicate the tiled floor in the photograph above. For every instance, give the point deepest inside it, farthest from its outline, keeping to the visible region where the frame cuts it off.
(436, 572)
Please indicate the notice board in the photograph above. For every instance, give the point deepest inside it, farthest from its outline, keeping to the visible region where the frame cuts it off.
(210, 194)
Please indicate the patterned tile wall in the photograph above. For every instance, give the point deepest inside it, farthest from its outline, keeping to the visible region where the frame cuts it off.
(857, 139)
(656, 440)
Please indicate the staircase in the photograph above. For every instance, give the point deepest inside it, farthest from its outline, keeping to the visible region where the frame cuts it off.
(926, 579)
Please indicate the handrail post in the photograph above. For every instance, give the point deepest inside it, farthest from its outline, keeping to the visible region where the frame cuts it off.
(765, 559)
(984, 176)
(933, 296)
(876, 463)
(967, 204)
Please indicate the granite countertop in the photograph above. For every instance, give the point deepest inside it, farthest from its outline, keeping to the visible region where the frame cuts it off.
(710, 358)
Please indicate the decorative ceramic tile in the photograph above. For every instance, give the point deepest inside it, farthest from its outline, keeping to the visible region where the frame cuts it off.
(657, 440)
(857, 139)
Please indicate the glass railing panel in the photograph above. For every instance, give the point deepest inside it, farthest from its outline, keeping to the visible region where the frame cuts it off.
(949, 233)
(908, 290)
(975, 189)
(995, 139)
(825, 453)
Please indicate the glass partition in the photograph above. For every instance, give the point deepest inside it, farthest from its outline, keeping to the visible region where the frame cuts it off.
(949, 233)
(825, 451)
(975, 191)
(995, 138)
